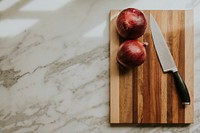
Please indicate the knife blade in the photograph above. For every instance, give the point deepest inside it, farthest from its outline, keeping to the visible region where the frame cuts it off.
(166, 60)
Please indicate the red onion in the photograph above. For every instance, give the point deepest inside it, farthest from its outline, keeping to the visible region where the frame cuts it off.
(131, 23)
(131, 53)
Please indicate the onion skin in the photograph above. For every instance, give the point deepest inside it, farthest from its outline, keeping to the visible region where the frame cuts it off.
(131, 53)
(131, 23)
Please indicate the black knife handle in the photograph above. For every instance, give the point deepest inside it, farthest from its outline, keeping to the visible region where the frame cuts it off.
(181, 88)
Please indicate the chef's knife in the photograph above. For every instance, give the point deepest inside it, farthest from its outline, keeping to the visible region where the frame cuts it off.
(167, 62)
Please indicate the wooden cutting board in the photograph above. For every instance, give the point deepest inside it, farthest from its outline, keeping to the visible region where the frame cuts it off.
(146, 94)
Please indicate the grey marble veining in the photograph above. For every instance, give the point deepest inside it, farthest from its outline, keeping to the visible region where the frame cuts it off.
(54, 65)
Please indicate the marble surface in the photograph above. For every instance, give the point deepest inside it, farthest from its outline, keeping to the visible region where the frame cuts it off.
(54, 65)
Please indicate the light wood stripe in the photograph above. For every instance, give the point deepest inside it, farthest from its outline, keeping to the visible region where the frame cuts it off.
(189, 66)
(135, 94)
(126, 96)
(140, 91)
(114, 72)
(146, 74)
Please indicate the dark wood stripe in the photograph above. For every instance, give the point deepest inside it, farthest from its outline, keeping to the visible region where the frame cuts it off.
(169, 77)
(146, 75)
(169, 100)
(135, 94)
(174, 50)
(152, 86)
(181, 64)
(157, 82)
(163, 76)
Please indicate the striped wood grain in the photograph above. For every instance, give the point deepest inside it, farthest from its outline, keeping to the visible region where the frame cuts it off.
(146, 94)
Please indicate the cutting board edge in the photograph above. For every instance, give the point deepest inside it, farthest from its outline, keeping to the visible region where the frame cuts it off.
(190, 121)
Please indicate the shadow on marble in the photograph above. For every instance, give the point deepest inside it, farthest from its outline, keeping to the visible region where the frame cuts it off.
(64, 24)
(19, 10)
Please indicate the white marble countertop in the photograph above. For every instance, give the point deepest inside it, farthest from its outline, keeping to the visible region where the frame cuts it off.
(54, 65)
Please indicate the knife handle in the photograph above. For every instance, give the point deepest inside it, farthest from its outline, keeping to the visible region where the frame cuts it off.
(181, 88)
